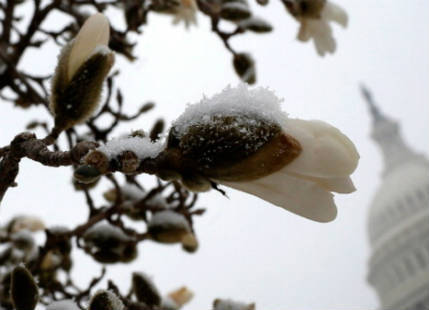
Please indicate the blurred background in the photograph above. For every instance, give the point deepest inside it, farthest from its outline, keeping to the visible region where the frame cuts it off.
(250, 250)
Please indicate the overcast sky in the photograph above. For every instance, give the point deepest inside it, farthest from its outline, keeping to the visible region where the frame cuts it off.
(251, 250)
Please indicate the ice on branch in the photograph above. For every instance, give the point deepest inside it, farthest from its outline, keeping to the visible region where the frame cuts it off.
(82, 68)
(242, 139)
(314, 17)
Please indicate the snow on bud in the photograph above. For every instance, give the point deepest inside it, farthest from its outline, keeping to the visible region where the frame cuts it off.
(108, 244)
(82, 67)
(30, 223)
(105, 300)
(244, 66)
(168, 227)
(145, 290)
(66, 304)
(24, 290)
(227, 304)
(314, 17)
(242, 139)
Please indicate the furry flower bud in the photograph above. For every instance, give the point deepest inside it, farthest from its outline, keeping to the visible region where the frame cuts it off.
(244, 66)
(108, 244)
(145, 290)
(82, 67)
(242, 139)
(168, 227)
(105, 300)
(24, 290)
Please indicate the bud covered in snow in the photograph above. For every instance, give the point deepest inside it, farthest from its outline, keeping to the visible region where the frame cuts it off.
(108, 244)
(66, 304)
(314, 17)
(24, 290)
(145, 290)
(168, 227)
(105, 300)
(30, 223)
(242, 139)
(82, 67)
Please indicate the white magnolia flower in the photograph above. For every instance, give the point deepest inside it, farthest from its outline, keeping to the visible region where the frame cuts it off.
(304, 186)
(186, 12)
(240, 138)
(314, 17)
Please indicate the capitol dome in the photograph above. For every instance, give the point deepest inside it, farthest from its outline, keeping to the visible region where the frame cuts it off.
(398, 221)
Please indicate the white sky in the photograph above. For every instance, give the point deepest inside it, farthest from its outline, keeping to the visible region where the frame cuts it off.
(250, 250)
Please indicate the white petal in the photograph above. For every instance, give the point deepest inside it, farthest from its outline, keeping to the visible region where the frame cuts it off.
(332, 11)
(300, 196)
(303, 34)
(338, 185)
(326, 152)
(94, 32)
(321, 33)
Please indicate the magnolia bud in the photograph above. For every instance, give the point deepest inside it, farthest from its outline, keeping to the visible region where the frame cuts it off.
(232, 147)
(86, 174)
(105, 300)
(190, 243)
(256, 24)
(108, 244)
(30, 223)
(24, 290)
(234, 11)
(245, 67)
(82, 67)
(168, 227)
(145, 290)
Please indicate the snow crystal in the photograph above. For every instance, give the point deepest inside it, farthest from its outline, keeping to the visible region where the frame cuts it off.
(105, 230)
(257, 102)
(227, 304)
(169, 218)
(67, 304)
(142, 147)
